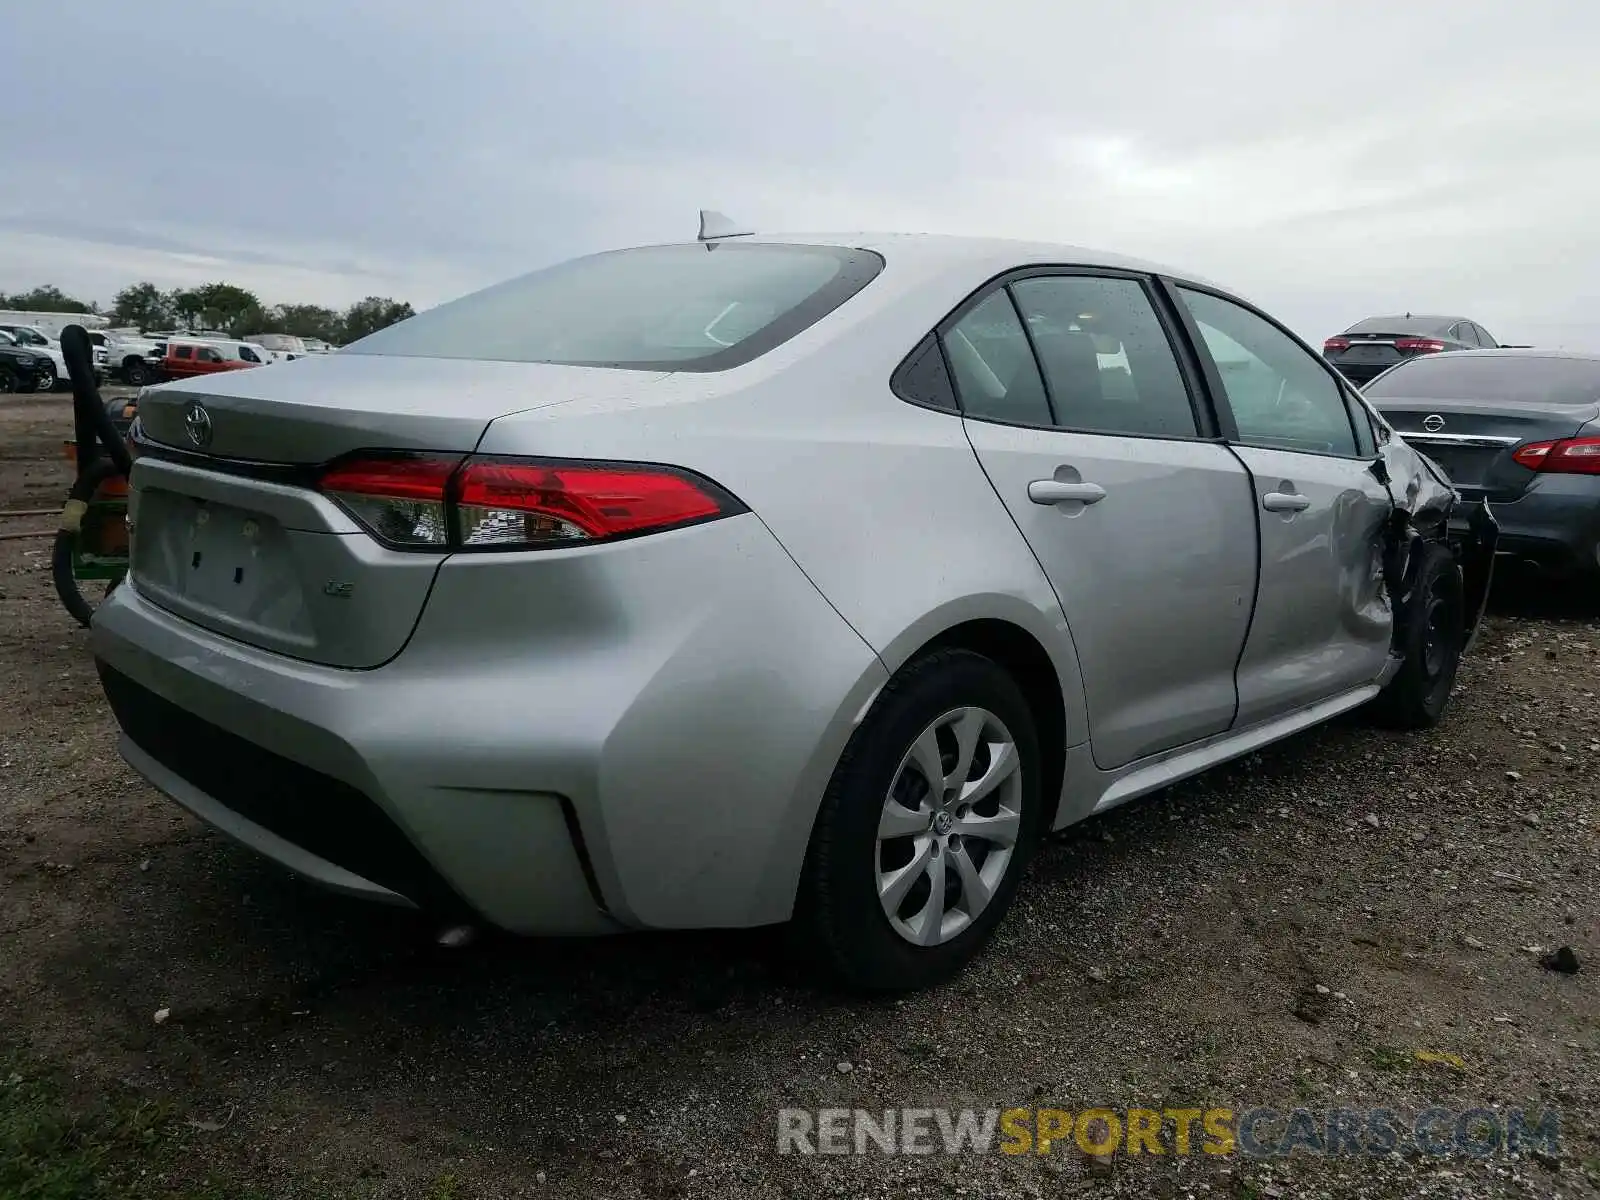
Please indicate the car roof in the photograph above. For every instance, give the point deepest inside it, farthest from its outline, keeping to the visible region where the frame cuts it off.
(1510, 352)
(1439, 318)
(981, 254)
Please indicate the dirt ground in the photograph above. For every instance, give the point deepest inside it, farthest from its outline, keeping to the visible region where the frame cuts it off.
(1289, 931)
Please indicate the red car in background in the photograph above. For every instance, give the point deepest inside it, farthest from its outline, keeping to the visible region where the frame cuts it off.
(182, 359)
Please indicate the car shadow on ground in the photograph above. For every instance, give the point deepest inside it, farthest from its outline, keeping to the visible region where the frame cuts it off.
(240, 952)
(1523, 593)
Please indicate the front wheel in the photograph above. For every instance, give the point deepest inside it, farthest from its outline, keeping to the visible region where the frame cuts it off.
(136, 373)
(927, 825)
(47, 378)
(1431, 641)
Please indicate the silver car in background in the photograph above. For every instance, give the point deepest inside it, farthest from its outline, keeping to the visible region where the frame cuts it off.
(765, 579)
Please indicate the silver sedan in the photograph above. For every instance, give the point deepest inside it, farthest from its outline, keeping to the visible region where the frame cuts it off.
(766, 579)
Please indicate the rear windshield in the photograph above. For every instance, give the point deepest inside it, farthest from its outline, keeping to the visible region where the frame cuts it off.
(661, 308)
(1516, 379)
(1400, 325)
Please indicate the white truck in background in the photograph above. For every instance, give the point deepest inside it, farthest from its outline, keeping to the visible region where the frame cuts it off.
(128, 355)
(283, 347)
(34, 338)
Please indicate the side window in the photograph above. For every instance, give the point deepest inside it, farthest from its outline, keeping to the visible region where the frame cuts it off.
(1280, 394)
(184, 351)
(923, 379)
(248, 354)
(1484, 340)
(1107, 361)
(207, 354)
(995, 373)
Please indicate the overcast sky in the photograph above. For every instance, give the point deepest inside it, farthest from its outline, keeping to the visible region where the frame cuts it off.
(1330, 160)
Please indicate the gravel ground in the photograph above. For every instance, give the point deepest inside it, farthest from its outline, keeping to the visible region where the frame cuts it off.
(1289, 931)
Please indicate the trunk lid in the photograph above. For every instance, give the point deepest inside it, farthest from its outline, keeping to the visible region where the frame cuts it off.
(1370, 352)
(1473, 440)
(315, 409)
(232, 534)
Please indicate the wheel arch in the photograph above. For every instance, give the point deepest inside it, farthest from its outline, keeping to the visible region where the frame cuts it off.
(1024, 658)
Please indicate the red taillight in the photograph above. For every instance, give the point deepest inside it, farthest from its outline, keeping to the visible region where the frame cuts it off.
(401, 499)
(507, 502)
(1336, 343)
(437, 502)
(403, 477)
(1418, 345)
(1571, 456)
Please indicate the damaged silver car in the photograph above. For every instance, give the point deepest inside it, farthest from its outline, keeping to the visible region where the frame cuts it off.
(766, 579)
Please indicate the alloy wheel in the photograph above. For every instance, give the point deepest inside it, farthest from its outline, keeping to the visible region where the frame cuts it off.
(948, 829)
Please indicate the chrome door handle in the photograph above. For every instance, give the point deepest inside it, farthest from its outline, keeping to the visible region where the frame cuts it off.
(1291, 502)
(1053, 491)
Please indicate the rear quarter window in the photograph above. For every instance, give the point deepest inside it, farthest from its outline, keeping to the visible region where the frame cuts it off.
(700, 307)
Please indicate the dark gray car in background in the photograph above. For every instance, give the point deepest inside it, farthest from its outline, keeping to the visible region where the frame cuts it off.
(1369, 348)
(1519, 428)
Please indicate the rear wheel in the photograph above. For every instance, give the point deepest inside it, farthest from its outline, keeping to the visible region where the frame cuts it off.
(137, 373)
(1431, 644)
(926, 827)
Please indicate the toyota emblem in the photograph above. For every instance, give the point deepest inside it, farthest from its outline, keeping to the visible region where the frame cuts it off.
(197, 421)
(1433, 423)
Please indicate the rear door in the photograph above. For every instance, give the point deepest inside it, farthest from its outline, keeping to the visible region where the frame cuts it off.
(1469, 413)
(1086, 423)
(1322, 624)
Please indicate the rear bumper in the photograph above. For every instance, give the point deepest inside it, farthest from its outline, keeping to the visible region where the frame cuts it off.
(1555, 523)
(646, 752)
(1358, 373)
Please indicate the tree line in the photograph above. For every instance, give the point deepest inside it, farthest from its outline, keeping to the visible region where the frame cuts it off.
(234, 310)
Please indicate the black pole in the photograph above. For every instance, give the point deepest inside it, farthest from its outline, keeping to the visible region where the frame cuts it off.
(91, 426)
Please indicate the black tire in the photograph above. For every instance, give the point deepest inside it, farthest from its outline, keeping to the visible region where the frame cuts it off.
(1435, 632)
(137, 373)
(841, 926)
(71, 595)
(46, 380)
(10, 381)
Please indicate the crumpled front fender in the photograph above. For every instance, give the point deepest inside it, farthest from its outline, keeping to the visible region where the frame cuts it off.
(1428, 508)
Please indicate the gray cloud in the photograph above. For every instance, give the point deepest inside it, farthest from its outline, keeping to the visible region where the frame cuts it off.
(1330, 159)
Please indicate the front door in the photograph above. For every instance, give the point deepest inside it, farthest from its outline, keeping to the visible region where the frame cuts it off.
(1322, 622)
(1083, 419)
